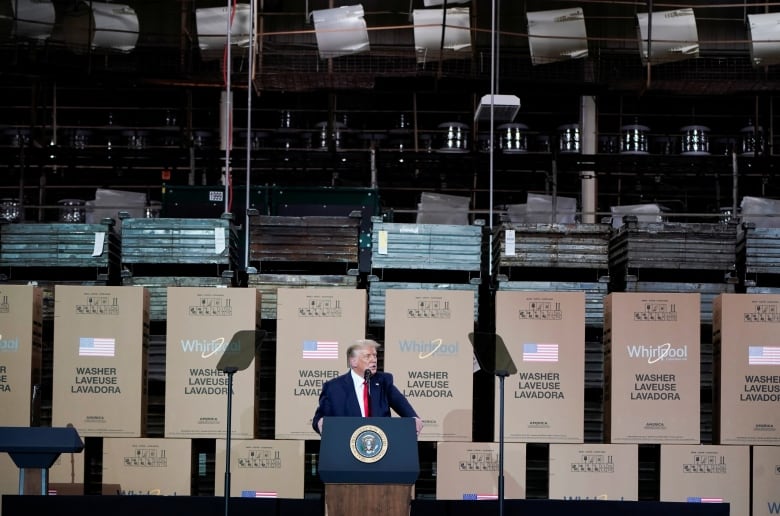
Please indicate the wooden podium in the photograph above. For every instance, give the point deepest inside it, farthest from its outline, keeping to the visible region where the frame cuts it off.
(379, 499)
(368, 465)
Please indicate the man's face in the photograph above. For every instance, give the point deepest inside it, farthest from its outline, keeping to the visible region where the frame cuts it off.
(365, 358)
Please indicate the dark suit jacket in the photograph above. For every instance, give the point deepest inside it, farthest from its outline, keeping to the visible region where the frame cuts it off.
(338, 398)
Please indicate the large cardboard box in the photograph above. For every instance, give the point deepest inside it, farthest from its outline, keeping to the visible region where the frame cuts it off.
(594, 472)
(766, 480)
(314, 329)
(469, 471)
(101, 342)
(428, 351)
(651, 367)
(202, 324)
(151, 466)
(9, 475)
(706, 474)
(261, 468)
(20, 353)
(746, 368)
(545, 335)
(66, 476)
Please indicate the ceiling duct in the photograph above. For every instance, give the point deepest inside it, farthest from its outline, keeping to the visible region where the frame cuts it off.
(764, 32)
(428, 27)
(100, 25)
(212, 24)
(557, 35)
(340, 31)
(30, 19)
(674, 36)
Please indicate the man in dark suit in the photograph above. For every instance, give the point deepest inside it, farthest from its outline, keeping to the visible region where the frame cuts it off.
(342, 396)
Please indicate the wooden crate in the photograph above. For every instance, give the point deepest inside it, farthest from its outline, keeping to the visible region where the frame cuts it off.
(282, 242)
(441, 247)
(556, 246)
(37, 250)
(154, 243)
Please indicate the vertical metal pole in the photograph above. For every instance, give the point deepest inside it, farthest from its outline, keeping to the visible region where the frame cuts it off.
(227, 442)
(501, 449)
(250, 75)
(228, 105)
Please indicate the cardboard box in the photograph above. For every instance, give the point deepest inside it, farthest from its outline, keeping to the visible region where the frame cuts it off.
(746, 369)
(68, 469)
(101, 342)
(766, 480)
(148, 466)
(594, 472)
(203, 329)
(652, 368)
(544, 333)
(9, 475)
(20, 354)
(314, 329)
(706, 474)
(469, 471)
(261, 468)
(428, 352)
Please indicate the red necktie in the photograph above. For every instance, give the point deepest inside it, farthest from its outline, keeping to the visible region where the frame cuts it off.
(366, 399)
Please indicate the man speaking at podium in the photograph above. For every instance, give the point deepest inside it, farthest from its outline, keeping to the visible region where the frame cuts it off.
(362, 391)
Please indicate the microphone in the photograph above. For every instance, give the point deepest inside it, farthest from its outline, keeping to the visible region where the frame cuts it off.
(367, 375)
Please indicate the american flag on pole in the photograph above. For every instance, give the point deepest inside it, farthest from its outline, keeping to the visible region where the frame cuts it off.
(479, 496)
(320, 349)
(540, 352)
(699, 499)
(258, 494)
(96, 347)
(763, 355)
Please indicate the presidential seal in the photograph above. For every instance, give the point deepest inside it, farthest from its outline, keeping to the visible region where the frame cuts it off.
(368, 443)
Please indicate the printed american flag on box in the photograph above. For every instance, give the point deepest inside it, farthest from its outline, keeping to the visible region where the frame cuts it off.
(540, 352)
(258, 494)
(479, 496)
(700, 499)
(96, 347)
(327, 349)
(763, 355)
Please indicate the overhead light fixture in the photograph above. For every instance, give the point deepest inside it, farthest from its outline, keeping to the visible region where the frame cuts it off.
(557, 35)
(764, 32)
(32, 19)
(675, 37)
(428, 26)
(212, 22)
(340, 31)
(504, 108)
(101, 25)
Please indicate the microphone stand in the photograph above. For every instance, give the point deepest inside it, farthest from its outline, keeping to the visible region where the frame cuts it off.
(230, 371)
(502, 374)
(367, 380)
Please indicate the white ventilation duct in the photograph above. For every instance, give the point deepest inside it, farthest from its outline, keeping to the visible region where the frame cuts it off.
(428, 25)
(32, 19)
(764, 33)
(212, 23)
(557, 35)
(674, 36)
(340, 31)
(101, 25)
